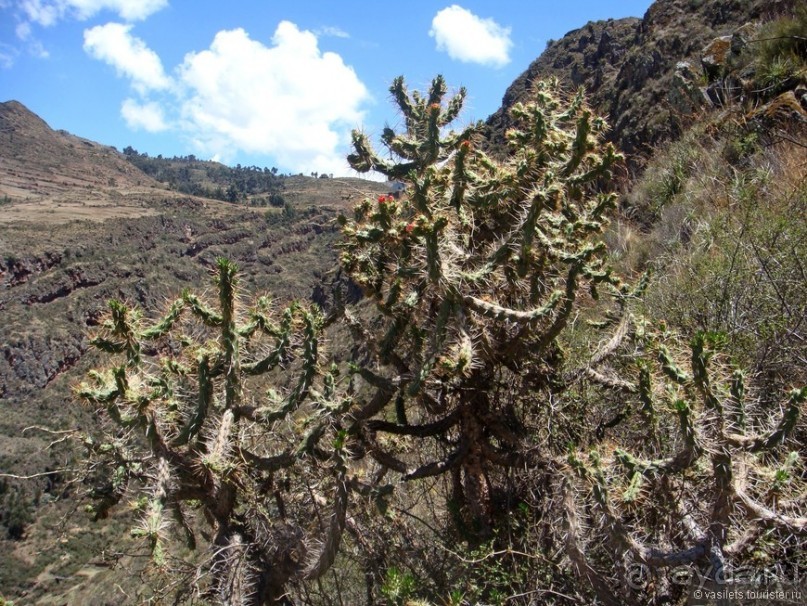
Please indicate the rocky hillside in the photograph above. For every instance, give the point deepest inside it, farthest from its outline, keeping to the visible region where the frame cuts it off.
(79, 225)
(632, 68)
(37, 161)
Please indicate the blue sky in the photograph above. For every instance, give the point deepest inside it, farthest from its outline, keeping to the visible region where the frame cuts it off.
(269, 83)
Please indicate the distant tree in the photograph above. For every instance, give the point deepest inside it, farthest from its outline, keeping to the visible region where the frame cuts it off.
(276, 200)
(16, 511)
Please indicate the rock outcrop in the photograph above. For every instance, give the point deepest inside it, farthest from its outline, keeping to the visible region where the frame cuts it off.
(640, 72)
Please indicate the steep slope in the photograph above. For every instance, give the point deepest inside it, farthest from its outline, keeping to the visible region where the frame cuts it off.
(627, 66)
(38, 161)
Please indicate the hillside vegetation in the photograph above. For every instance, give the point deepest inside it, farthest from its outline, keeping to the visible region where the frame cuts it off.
(547, 373)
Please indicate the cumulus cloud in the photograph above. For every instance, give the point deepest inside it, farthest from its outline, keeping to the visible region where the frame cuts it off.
(114, 44)
(48, 12)
(147, 116)
(469, 38)
(289, 100)
(130, 10)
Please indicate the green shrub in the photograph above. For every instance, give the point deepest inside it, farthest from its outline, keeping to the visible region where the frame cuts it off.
(784, 37)
(16, 512)
(398, 586)
(781, 52)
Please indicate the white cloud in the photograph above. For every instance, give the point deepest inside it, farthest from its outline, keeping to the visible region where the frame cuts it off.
(330, 30)
(43, 12)
(130, 10)
(23, 30)
(469, 38)
(7, 56)
(288, 100)
(48, 12)
(146, 116)
(114, 44)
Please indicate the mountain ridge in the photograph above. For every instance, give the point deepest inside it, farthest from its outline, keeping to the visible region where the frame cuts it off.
(60, 160)
(627, 67)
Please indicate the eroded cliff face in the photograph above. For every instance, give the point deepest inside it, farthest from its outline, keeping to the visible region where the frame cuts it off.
(629, 67)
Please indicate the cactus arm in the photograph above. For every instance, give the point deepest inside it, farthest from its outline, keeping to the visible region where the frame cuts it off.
(282, 336)
(270, 463)
(778, 435)
(229, 338)
(737, 391)
(602, 354)
(200, 310)
(794, 524)
(500, 313)
(421, 431)
(437, 467)
(382, 457)
(107, 345)
(576, 551)
(329, 549)
(669, 367)
(204, 400)
(165, 324)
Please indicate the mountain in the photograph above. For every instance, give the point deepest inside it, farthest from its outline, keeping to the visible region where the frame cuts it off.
(628, 67)
(39, 162)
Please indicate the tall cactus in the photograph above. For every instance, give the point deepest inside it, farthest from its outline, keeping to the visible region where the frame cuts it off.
(475, 272)
(190, 429)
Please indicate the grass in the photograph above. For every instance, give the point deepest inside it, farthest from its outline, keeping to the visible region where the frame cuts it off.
(726, 245)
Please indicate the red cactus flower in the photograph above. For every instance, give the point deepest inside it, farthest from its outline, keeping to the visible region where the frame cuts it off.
(410, 227)
(382, 199)
(465, 146)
